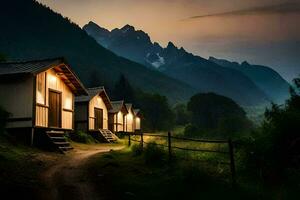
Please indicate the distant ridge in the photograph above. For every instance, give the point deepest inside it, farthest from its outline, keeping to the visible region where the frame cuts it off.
(200, 73)
(276, 88)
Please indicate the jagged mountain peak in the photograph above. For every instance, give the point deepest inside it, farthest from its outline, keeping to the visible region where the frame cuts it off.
(245, 64)
(182, 50)
(92, 24)
(214, 75)
(171, 45)
(127, 28)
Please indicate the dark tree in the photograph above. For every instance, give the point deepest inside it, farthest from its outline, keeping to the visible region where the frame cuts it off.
(97, 79)
(123, 90)
(157, 114)
(181, 114)
(276, 145)
(210, 111)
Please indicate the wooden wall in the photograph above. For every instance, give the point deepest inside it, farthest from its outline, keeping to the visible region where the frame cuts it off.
(49, 80)
(137, 125)
(129, 121)
(81, 114)
(16, 97)
(120, 121)
(117, 121)
(97, 102)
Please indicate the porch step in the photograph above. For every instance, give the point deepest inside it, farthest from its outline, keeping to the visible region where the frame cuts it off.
(58, 138)
(66, 148)
(59, 141)
(62, 143)
(108, 135)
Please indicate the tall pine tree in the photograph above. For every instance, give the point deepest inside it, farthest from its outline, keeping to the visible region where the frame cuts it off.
(123, 90)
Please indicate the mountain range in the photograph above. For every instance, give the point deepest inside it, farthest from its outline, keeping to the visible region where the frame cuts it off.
(245, 83)
(99, 57)
(264, 77)
(30, 30)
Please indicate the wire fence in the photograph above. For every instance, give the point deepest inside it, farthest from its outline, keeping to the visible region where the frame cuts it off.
(200, 150)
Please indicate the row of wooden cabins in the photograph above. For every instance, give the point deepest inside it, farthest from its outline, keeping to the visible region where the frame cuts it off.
(45, 97)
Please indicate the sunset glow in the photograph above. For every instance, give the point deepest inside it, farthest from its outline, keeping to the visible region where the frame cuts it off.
(224, 36)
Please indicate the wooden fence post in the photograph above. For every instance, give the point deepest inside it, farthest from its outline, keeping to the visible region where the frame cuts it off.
(129, 141)
(169, 146)
(142, 140)
(232, 164)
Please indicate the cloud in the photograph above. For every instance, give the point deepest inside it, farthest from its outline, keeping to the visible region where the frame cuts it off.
(284, 8)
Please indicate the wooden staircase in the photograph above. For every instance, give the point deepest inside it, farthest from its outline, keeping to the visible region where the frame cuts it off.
(59, 141)
(108, 135)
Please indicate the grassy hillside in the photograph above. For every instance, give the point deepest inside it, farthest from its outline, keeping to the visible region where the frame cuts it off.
(34, 31)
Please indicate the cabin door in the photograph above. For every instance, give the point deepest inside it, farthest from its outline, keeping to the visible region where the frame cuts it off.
(98, 118)
(54, 112)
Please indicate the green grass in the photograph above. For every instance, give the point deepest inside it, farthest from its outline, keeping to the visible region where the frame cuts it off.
(131, 175)
(82, 137)
(200, 156)
(148, 174)
(178, 130)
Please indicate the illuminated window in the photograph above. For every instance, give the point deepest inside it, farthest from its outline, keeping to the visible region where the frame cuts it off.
(40, 84)
(52, 81)
(99, 101)
(68, 101)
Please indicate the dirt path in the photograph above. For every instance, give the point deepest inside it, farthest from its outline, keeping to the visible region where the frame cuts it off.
(66, 178)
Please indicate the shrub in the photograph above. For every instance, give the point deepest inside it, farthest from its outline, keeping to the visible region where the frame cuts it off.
(191, 130)
(154, 154)
(82, 137)
(136, 149)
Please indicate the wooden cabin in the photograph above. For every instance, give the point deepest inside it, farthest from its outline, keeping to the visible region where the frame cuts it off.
(39, 95)
(129, 119)
(92, 110)
(117, 116)
(137, 119)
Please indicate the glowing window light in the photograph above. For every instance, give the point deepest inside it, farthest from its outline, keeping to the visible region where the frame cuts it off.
(99, 101)
(137, 120)
(129, 116)
(40, 94)
(52, 79)
(68, 103)
(40, 97)
(120, 117)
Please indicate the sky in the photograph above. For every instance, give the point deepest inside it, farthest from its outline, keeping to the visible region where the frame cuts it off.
(265, 32)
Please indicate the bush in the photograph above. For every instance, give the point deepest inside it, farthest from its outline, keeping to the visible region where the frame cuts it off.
(191, 130)
(82, 137)
(3, 118)
(154, 154)
(136, 149)
(275, 148)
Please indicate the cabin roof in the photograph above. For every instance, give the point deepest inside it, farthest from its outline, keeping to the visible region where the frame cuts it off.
(118, 106)
(34, 67)
(129, 106)
(92, 92)
(137, 112)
